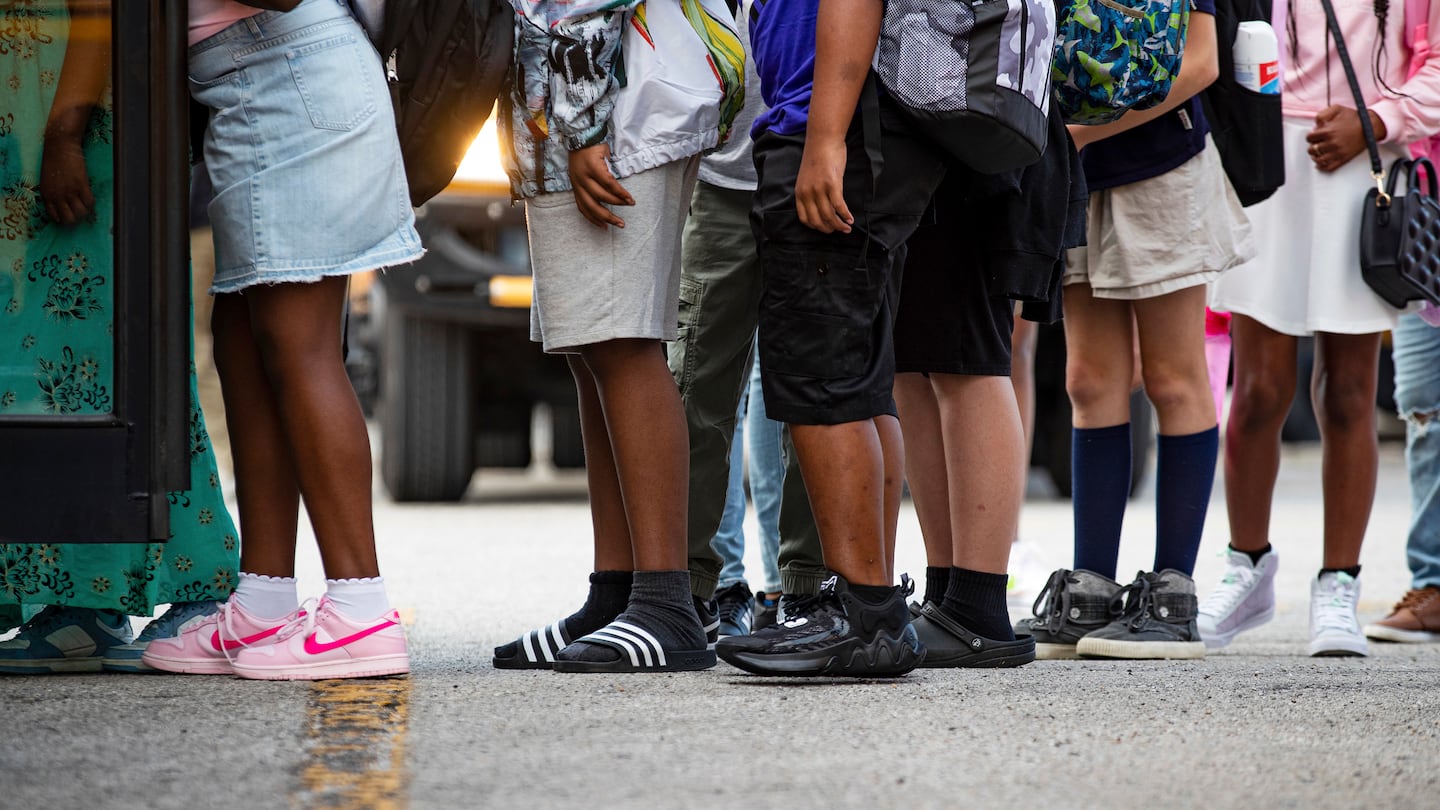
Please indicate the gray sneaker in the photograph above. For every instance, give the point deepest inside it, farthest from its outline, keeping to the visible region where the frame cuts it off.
(1155, 619)
(1072, 604)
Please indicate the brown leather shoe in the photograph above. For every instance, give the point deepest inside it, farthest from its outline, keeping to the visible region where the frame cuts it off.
(1416, 618)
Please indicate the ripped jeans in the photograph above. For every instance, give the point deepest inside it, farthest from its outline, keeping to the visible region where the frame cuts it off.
(1417, 395)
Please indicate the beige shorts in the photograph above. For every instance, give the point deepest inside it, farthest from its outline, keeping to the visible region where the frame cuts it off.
(1178, 230)
(596, 284)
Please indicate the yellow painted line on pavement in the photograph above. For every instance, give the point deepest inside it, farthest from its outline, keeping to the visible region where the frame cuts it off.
(355, 743)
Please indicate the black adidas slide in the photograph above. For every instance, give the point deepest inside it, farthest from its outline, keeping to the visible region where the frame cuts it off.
(639, 651)
(534, 650)
(951, 645)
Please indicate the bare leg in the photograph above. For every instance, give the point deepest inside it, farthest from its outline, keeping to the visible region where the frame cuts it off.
(1344, 394)
(892, 444)
(925, 465)
(1099, 366)
(265, 484)
(1022, 375)
(297, 330)
(607, 508)
(844, 469)
(1172, 345)
(645, 422)
(984, 447)
(1264, 387)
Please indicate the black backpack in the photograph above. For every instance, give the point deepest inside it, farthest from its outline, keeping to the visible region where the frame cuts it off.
(447, 61)
(1246, 126)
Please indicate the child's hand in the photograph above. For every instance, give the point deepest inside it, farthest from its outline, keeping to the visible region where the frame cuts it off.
(819, 197)
(595, 187)
(1337, 137)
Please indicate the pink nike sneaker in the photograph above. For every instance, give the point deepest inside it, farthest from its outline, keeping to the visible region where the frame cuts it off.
(322, 643)
(205, 645)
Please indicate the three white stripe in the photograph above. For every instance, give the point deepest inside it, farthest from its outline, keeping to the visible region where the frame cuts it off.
(634, 640)
(541, 639)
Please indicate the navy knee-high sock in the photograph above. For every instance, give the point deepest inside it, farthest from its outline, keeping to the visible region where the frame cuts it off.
(1184, 476)
(1100, 486)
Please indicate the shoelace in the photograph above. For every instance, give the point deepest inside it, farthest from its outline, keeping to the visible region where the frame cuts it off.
(306, 618)
(1335, 610)
(1132, 603)
(1233, 587)
(1416, 598)
(1053, 601)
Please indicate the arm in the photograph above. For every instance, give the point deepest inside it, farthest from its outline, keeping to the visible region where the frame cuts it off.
(64, 185)
(1198, 71)
(1412, 113)
(846, 33)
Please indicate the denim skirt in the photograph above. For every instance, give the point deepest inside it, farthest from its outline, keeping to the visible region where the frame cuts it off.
(301, 150)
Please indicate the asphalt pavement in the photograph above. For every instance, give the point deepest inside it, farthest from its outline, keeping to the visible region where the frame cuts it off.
(1259, 724)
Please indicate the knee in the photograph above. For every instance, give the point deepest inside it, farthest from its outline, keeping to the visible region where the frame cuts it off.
(1090, 385)
(1259, 404)
(607, 358)
(1342, 403)
(1170, 390)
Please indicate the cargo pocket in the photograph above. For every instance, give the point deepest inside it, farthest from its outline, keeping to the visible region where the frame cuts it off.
(682, 352)
(818, 312)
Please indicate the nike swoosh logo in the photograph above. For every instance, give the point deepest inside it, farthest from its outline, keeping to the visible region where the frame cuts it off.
(313, 646)
(244, 642)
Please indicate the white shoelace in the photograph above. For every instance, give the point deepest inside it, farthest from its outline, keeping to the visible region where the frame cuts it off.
(1234, 586)
(1333, 608)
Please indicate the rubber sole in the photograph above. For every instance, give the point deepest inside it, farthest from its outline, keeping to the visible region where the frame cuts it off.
(1220, 641)
(520, 663)
(50, 666)
(679, 661)
(1055, 652)
(378, 667)
(1339, 649)
(1381, 632)
(1139, 650)
(891, 658)
(182, 666)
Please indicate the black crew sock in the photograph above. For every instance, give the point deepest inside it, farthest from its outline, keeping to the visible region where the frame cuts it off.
(872, 595)
(1353, 571)
(609, 593)
(937, 578)
(977, 600)
(1253, 555)
(661, 604)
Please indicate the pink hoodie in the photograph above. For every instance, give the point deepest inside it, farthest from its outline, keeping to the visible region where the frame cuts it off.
(1314, 78)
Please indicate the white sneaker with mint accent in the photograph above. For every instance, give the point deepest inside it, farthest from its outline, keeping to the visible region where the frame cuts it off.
(1244, 599)
(1334, 630)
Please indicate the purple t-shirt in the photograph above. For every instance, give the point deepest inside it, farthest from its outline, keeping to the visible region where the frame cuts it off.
(782, 41)
(1153, 148)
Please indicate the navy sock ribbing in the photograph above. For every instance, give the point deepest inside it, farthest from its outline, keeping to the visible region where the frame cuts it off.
(937, 580)
(1184, 476)
(1100, 480)
(976, 600)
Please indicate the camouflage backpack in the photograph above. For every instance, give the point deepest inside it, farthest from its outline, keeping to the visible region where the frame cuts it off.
(1116, 55)
(972, 75)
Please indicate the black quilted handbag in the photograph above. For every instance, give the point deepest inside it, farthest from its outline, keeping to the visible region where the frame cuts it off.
(1399, 235)
(1400, 239)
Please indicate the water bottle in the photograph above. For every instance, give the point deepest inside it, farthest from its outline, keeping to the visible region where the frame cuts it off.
(1257, 57)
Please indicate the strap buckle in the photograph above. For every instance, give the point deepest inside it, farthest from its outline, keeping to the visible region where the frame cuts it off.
(1382, 198)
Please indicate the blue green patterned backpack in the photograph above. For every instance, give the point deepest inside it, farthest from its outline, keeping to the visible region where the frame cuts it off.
(1116, 55)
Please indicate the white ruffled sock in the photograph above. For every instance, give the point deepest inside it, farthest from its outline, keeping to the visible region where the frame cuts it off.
(359, 599)
(266, 597)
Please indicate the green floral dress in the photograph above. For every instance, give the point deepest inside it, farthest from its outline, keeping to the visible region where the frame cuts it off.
(56, 350)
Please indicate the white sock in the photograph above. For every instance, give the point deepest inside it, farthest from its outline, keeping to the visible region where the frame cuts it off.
(359, 599)
(265, 597)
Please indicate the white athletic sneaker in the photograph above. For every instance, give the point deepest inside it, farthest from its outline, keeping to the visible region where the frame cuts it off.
(1334, 629)
(1244, 599)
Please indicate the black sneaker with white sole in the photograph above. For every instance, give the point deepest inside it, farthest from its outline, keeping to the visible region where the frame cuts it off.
(1155, 618)
(833, 633)
(1072, 605)
(709, 620)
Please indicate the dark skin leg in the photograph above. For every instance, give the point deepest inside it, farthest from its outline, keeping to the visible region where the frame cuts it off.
(265, 483)
(1343, 389)
(645, 423)
(607, 507)
(845, 469)
(1264, 387)
(295, 329)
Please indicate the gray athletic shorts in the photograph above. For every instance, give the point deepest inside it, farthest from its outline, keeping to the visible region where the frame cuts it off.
(597, 284)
